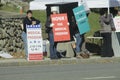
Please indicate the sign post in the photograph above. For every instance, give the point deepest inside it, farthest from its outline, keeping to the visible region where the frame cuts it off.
(81, 19)
(34, 42)
(61, 27)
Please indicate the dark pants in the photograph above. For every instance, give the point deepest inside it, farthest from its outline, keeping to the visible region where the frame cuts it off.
(53, 46)
(107, 50)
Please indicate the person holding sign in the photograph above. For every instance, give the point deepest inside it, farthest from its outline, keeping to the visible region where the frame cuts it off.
(118, 33)
(77, 36)
(49, 25)
(107, 26)
(28, 20)
(79, 39)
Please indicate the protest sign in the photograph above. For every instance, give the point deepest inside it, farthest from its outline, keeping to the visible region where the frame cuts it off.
(61, 27)
(34, 42)
(117, 23)
(81, 19)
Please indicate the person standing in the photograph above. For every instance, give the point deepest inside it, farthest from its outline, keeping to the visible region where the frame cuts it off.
(77, 36)
(49, 25)
(118, 33)
(83, 43)
(107, 25)
(79, 39)
(28, 20)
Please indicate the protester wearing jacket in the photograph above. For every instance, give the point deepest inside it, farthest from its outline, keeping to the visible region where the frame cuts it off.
(49, 25)
(106, 22)
(28, 20)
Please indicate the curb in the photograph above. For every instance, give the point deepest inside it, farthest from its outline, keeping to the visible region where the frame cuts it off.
(24, 62)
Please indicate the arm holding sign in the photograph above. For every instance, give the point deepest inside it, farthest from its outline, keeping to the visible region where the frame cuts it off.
(106, 22)
(48, 25)
(28, 20)
(51, 25)
(35, 21)
(112, 23)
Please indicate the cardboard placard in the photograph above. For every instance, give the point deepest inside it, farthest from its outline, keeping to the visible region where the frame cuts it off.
(81, 19)
(34, 42)
(61, 27)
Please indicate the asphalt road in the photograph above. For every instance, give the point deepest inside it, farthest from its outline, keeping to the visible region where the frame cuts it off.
(103, 71)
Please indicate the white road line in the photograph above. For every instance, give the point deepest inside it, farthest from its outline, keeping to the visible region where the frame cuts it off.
(108, 77)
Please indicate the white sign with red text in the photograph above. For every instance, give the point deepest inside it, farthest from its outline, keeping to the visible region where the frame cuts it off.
(34, 42)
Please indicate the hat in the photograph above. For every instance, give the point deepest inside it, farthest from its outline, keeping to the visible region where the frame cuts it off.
(55, 8)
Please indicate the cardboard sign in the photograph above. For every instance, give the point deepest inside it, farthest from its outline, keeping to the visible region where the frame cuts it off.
(34, 42)
(61, 27)
(98, 3)
(117, 23)
(81, 19)
(115, 44)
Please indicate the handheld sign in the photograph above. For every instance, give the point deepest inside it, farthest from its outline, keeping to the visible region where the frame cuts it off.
(117, 23)
(81, 19)
(34, 42)
(61, 27)
(115, 36)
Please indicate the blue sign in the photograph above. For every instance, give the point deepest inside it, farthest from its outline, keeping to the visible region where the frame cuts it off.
(81, 19)
(33, 26)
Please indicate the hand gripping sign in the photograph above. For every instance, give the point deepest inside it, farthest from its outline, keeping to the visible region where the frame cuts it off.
(34, 42)
(60, 27)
